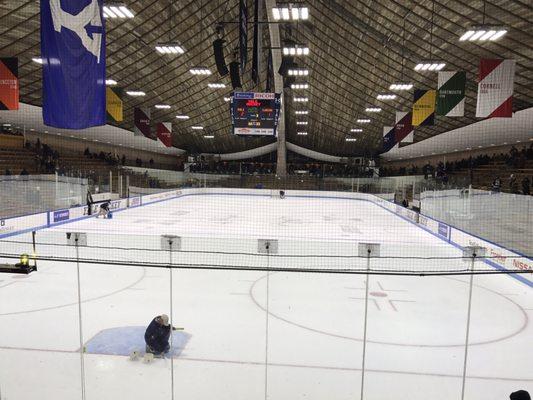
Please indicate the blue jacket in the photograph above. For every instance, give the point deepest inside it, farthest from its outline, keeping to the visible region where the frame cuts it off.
(157, 336)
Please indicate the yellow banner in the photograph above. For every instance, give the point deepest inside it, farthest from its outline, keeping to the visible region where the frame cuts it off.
(424, 107)
(114, 105)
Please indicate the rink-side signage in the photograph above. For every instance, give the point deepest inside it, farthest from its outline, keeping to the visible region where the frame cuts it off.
(9, 226)
(61, 215)
(443, 230)
(499, 256)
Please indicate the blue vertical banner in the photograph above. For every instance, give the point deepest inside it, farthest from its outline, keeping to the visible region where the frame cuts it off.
(243, 33)
(73, 53)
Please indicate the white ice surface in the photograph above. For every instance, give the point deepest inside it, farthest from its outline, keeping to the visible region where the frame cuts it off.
(416, 326)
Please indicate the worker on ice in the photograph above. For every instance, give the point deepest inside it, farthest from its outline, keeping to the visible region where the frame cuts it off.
(104, 210)
(157, 335)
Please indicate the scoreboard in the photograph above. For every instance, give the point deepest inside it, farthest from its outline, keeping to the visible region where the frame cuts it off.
(255, 114)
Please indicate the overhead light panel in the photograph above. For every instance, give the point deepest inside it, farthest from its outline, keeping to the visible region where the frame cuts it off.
(169, 48)
(135, 93)
(299, 86)
(110, 82)
(200, 71)
(386, 96)
(356, 130)
(162, 106)
(298, 72)
(302, 133)
(301, 122)
(351, 139)
(301, 112)
(363, 121)
(37, 60)
(216, 85)
(226, 99)
(182, 117)
(209, 136)
(115, 11)
(430, 66)
(373, 109)
(483, 33)
(295, 51)
(301, 99)
(401, 86)
(290, 13)
(197, 128)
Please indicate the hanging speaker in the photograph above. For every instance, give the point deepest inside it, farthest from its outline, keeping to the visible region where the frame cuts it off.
(218, 50)
(234, 74)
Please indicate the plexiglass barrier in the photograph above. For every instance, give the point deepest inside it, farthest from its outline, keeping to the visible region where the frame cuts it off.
(259, 318)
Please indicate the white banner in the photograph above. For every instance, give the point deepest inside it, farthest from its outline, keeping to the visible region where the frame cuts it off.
(495, 88)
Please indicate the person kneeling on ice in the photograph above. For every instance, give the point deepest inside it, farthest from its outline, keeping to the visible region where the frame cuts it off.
(104, 210)
(157, 335)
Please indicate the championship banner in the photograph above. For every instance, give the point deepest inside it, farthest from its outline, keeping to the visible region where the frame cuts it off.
(495, 88)
(451, 93)
(389, 139)
(424, 107)
(9, 83)
(114, 105)
(243, 33)
(403, 129)
(141, 118)
(73, 53)
(164, 133)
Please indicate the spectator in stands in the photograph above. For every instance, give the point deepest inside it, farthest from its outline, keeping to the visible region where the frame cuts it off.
(24, 172)
(123, 160)
(151, 162)
(497, 185)
(7, 172)
(520, 395)
(513, 184)
(526, 186)
(87, 152)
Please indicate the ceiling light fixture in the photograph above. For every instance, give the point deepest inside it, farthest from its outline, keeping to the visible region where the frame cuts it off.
(429, 66)
(356, 130)
(209, 136)
(290, 12)
(483, 32)
(301, 122)
(298, 72)
(296, 51)
(162, 106)
(386, 96)
(169, 48)
(302, 133)
(301, 99)
(182, 117)
(37, 60)
(200, 71)
(110, 82)
(351, 139)
(114, 11)
(401, 86)
(299, 86)
(135, 93)
(301, 112)
(216, 85)
(226, 99)
(373, 109)
(363, 121)
(197, 128)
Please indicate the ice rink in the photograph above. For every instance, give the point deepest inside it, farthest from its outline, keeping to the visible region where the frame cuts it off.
(253, 334)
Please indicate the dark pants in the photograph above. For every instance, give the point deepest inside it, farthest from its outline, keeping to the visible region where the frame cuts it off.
(157, 353)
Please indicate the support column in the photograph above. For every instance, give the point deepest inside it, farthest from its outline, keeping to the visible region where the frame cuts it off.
(275, 42)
